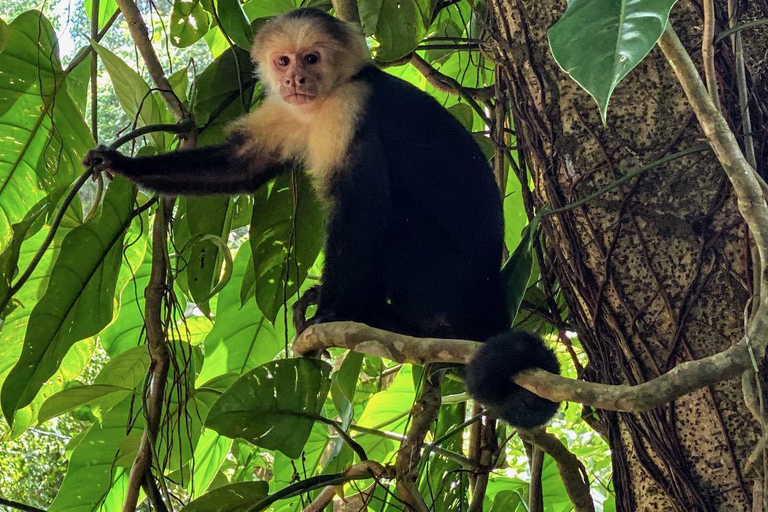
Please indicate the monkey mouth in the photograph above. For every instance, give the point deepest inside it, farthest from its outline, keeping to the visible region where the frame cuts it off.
(298, 98)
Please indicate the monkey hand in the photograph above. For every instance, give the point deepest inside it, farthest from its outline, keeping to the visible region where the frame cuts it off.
(102, 159)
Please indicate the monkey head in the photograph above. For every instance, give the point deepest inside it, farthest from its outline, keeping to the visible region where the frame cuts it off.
(305, 54)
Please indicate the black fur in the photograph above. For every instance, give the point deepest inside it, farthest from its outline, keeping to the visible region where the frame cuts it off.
(488, 377)
(415, 235)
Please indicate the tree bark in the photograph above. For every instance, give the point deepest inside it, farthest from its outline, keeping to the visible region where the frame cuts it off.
(656, 272)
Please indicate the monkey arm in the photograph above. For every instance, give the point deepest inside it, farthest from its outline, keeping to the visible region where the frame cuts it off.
(210, 170)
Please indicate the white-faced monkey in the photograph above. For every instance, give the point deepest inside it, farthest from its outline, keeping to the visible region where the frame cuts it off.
(415, 226)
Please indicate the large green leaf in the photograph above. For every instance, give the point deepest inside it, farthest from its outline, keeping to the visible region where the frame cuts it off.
(281, 245)
(239, 497)
(44, 134)
(210, 454)
(134, 95)
(68, 399)
(241, 338)
(106, 9)
(597, 42)
(79, 300)
(399, 26)
(9, 258)
(189, 22)
(275, 405)
(100, 462)
(234, 23)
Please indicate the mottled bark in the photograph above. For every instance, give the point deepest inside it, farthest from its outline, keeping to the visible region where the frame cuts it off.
(656, 272)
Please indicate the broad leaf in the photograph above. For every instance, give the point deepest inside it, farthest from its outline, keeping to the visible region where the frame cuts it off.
(79, 300)
(68, 399)
(189, 22)
(134, 95)
(275, 405)
(100, 462)
(106, 9)
(286, 236)
(44, 134)
(516, 273)
(239, 497)
(233, 22)
(597, 42)
(399, 26)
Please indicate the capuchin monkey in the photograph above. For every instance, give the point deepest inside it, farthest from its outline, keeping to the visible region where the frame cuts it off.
(415, 225)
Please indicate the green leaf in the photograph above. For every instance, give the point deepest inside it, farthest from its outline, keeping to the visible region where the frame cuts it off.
(239, 497)
(241, 338)
(278, 249)
(134, 95)
(9, 258)
(68, 399)
(210, 453)
(44, 134)
(400, 26)
(125, 332)
(79, 300)
(78, 81)
(3, 34)
(516, 273)
(597, 42)
(275, 405)
(100, 463)
(106, 9)
(343, 385)
(208, 220)
(189, 22)
(234, 23)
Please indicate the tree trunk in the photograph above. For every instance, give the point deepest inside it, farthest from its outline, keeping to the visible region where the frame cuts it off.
(655, 272)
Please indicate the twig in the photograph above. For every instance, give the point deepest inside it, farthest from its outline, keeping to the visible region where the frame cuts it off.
(708, 51)
(87, 50)
(360, 471)
(446, 84)
(20, 506)
(572, 471)
(681, 380)
(738, 28)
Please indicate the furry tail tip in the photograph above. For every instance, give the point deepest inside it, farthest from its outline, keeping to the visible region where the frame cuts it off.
(489, 378)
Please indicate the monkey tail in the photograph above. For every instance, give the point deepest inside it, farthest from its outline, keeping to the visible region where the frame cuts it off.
(489, 378)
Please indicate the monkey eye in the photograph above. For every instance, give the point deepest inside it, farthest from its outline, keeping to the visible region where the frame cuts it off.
(311, 58)
(283, 60)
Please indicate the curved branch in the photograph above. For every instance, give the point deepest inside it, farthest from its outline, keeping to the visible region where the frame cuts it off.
(572, 471)
(447, 84)
(681, 380)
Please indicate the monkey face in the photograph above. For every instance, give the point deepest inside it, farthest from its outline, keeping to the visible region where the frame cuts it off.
(302, 75)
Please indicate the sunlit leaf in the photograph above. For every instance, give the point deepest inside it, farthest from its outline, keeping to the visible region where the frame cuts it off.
(516, 273)
(106, 9)
(79, 300)
(189, 22)
(68, 399)
(274, 405)
(597, 42)
(44, 134)
(234, 23)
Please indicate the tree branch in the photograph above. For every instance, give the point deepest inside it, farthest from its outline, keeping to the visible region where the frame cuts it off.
(20, 506)
(447, 84)
(681, 380)
(572, 471)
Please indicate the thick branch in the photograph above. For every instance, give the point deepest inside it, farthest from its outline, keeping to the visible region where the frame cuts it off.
(447, 84)
(571, 470)
(681, 380)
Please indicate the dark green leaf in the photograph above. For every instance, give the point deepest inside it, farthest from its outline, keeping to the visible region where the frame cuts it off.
(400, 26)
(9, 258)
(3, 34)
(278, 249)
(343, 385)
(189, 22)
(516, 273)
(79, 299)
(233, 22)
(239, 497)
(275, 405)
(598, 42)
